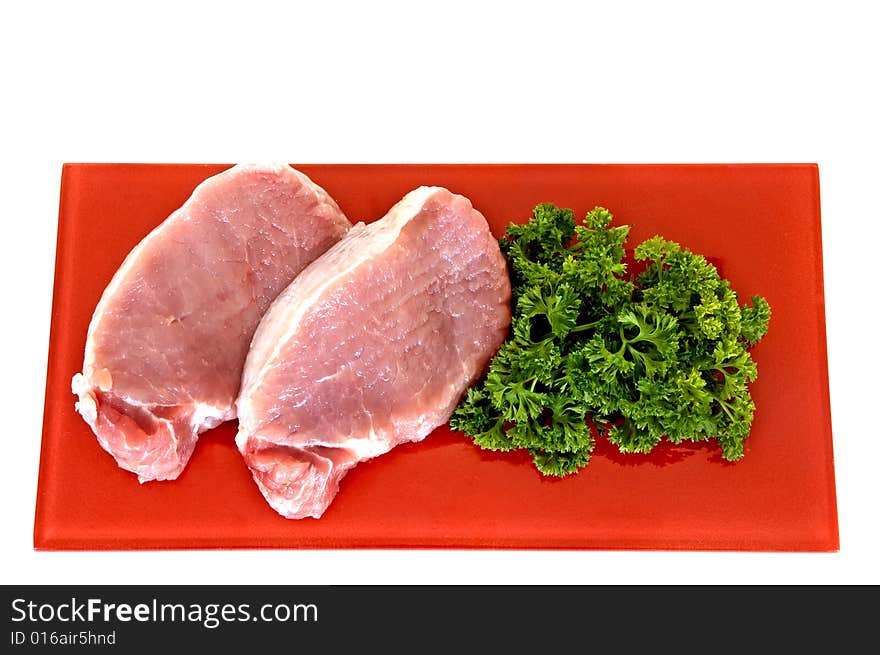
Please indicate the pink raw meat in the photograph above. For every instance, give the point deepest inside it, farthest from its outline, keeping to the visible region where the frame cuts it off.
(168, 339)
(371, 346)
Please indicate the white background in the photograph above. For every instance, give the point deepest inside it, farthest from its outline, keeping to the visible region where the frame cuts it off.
(449, 82)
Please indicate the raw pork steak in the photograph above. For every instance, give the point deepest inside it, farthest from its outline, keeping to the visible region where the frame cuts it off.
(371, 346)
(168, 339)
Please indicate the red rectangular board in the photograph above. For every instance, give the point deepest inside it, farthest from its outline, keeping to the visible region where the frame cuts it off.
(759, 223)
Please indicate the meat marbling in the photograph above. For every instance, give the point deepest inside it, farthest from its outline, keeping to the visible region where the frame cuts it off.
(167, 342)
(371, 346)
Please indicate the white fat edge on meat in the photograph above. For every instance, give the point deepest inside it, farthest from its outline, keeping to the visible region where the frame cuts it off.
(82, 383)
(375, 443)
(205, 415)
(86, 405)
(374, 446)
(306, 290)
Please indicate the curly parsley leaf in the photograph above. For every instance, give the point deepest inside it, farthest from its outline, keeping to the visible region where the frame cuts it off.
(594, 350)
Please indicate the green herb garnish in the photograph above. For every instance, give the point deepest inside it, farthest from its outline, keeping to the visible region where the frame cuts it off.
(595, 351)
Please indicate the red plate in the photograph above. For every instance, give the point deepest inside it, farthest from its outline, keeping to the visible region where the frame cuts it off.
(759, 223)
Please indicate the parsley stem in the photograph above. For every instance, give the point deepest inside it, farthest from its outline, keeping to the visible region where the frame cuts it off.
(585, 326)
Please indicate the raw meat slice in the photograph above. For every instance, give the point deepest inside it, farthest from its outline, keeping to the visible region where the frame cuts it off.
(371, 346)
(167, 342)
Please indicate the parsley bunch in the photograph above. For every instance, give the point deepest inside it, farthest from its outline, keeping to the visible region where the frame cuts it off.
(594, 351)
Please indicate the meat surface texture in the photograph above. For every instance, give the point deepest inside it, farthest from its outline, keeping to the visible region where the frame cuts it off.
(371, 346)
(168, 340)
